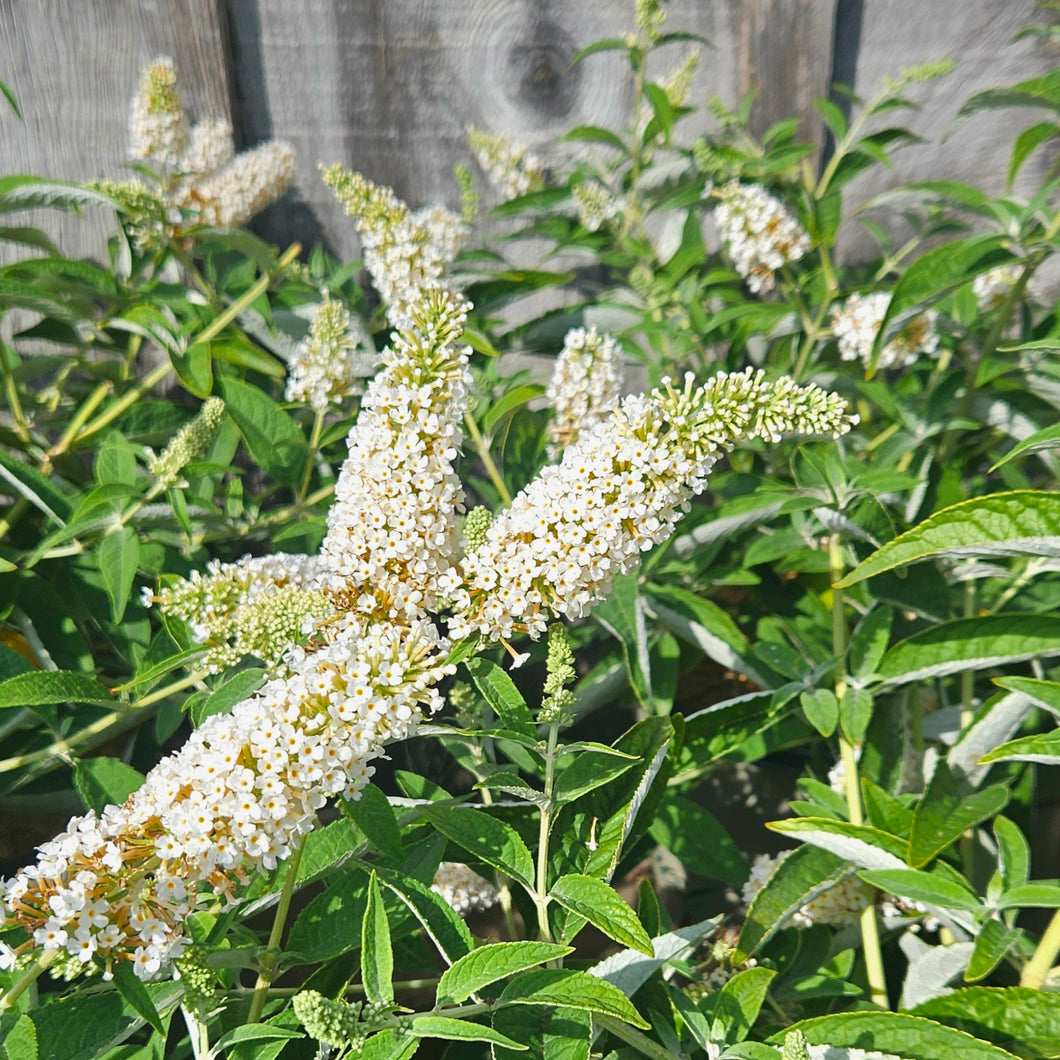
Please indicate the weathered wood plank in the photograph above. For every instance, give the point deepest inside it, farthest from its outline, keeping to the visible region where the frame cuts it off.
(389, 86)
(977, 36)
(74, 68)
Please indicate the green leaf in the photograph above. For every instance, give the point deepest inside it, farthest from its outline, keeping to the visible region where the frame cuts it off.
(992, 942)
(1045, 693)
(971, 644)
(377, 955)
(373, 815)
(1014, 853)
(556, 1033)
(1025, 1022)
(586, 773)
(492, 962)
(39, 687)
(514, 399)
(459, 1030)
(20, 1042)
(389, 1045)
(821, 709)
(594, 134)
(855, 713)
(135, 993)
(738, 1003)
(801, 876)
(1044, 749)
(445, 927)
(949, 807)
(118, 557)
(610, 44)
(1021, 523)
(1040, 441)
(895, 1033)
(484, 837)
(237, 688)
(1030, 138)
(500, 692)
(252, 1032)
(866, 847)
(699, 841)
(598, 903)
(571, 989)
(31, 193)
(869, 642)
(1040, 895)
(923, 887)
(102, 781)
(331, 922)
(115, 461)
(270, 435)
(28, 482)
(194, 368)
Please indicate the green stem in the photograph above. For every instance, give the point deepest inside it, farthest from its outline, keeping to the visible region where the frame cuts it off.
(14, 402)
(541, 881)
(484, 455)
(314, 442)
(27, 979)
(198, 1034)
(870, 935)
(270, 960)
(631, 1036)
(1037, 969)
(504, 892)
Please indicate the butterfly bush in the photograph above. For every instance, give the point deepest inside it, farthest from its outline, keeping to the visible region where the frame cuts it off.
(324, 369)
(857, 323)
(512, 168)
(462, 889)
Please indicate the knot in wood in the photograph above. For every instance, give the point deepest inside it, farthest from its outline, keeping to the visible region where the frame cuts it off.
(539, 62)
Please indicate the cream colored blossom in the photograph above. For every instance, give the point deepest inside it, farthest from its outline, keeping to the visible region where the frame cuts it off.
(513, 169)
(595, 204)
(463, 890)
(857, 323)
(325, 368)
(158, 123)
(585, 387)
(252, 180)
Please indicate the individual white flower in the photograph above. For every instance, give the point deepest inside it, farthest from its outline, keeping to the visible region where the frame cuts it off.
(585, 387)
(511, 167)
(595, 204)
(857, 323)
(325, 368)
(760, 232)
(158, 124)
(463, 890)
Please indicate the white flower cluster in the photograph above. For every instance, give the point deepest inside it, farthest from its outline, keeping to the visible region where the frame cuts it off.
(158, 123)
(254, 606)
(586, 385)
(512, 169)
(838, 906)
(619, 490)
(393, 529)
(239, 793)
(209, 179)
(595, 204)
(465, 891)
(993, 287)
(857, 324)
(760, 232)
(404, 252)
(247, 785)
(324, 370)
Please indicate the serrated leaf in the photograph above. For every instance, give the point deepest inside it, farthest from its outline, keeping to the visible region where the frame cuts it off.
(699, 841)
(1023, 1021)
(949, 807)
(1044, 749)
(558, 1033)
(1041, 895)
(1021, 523)
(992, 942)
(571, 989)
(492, 962)
(20, 1042)
(971, 643)
(868, 644)
(377, 955)
(993, 723)
(866, 847)
(738, 1003)
(597, 902)
(586, 773)
(135, 993)
(253, 1032)
(118, 557)
(1040, 441)
(450, 1029)
(445, 927)
(330, 923)
(39, 687)
(894, 1033)
(270, 435)
(931, 968)
(102, 781)
(484, 837)
(631, 969)
(375, 817)
(923, 887)
(500, 692)
(1044, 693)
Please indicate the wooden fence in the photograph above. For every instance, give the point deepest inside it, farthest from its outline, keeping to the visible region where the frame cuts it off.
(389, 86)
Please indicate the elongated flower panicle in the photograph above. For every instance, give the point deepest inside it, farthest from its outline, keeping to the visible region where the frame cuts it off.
(595, 204)
(586, 385)
(253, 180)
(255, 606)
(158, 123)
(190, 442)
(857, 323)
(240, 792)
(463, 890)
(760, 232)
(210, 147)
(325, 369)
(393, 529)
(512, 168)
(404, 252)
(619, 490)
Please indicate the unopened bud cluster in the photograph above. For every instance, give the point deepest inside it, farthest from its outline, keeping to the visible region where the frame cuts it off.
(595, 204)
(760, 233)
(189, 443)
(857, 323)
(202, 173)
(585, 387)
(511, 167)
(325, 368)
